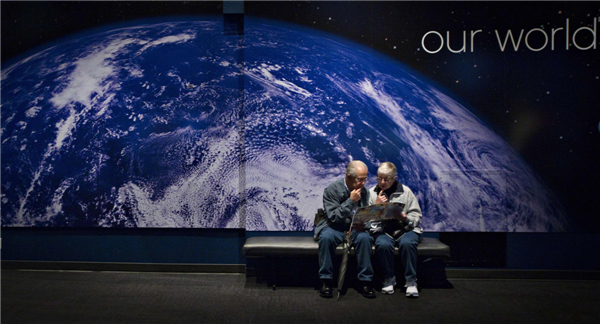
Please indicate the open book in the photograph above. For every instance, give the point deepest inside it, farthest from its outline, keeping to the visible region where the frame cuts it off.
(378, 212)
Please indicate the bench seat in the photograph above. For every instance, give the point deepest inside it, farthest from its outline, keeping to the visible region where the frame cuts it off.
(281, 246)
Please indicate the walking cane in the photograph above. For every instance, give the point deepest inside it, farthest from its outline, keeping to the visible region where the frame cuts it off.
(345, 253)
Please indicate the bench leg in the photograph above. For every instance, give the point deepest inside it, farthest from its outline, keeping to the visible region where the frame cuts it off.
(433, 273)
(274, 263)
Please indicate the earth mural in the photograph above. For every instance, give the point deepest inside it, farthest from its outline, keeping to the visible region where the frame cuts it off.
(175, 124)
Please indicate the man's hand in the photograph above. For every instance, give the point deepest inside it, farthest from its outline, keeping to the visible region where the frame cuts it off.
(404, 217)
(355, 195)
(381, 198)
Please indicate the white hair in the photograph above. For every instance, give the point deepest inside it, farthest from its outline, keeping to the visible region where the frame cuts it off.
(388, 169)
(352, 166)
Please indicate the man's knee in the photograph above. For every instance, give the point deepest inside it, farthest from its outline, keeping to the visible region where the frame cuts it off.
(363, 238)
(384, 242)
(407, 244)
(327, 238)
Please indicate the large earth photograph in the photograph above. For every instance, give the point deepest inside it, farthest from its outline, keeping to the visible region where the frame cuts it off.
(174, 123)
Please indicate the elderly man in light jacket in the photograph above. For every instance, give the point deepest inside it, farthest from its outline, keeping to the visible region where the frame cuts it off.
(387, 233)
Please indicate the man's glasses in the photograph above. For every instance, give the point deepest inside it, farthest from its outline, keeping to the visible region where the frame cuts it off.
(361, 179)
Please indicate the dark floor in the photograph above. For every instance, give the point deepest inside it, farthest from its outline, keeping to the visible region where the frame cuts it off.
(129, 297)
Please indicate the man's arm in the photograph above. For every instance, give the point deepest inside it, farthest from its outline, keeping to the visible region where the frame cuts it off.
(336, 212)
(412, 208)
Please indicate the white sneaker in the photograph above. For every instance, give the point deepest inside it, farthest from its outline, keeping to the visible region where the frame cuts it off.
(388, 286)
(411, 289)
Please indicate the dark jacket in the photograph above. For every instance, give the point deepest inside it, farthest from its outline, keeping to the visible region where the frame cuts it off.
(339, 207)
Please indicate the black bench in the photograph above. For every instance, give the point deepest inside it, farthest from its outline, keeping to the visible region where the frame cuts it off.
(274, 247)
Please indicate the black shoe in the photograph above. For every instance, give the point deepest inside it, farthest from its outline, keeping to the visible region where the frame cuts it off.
(366, 290)
(326, 291)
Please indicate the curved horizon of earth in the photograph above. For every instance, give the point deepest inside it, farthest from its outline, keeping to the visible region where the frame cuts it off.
(149, 126)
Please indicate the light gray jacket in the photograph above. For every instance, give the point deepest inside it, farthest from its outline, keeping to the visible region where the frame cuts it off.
(412, 209)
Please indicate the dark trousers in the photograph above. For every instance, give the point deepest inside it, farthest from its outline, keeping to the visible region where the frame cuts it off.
(407, 246)
(330, 238)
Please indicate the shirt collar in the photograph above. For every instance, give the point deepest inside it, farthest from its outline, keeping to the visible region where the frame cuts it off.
(345, 185)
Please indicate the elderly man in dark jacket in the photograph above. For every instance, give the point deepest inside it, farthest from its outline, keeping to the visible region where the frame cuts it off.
(340, 200)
